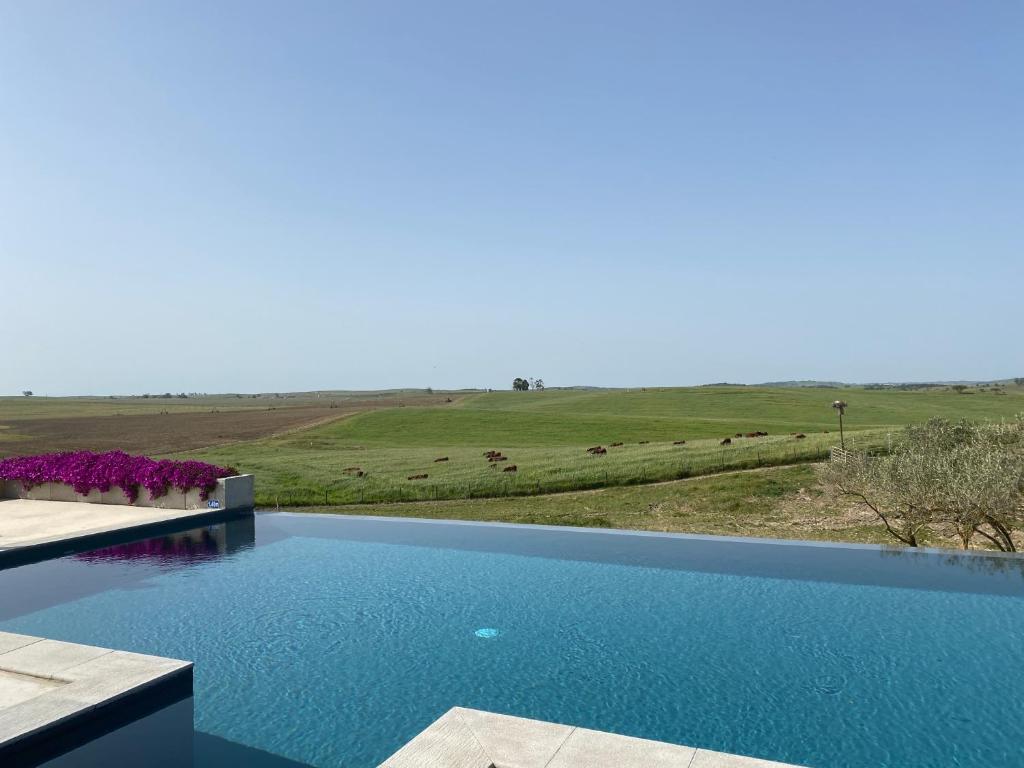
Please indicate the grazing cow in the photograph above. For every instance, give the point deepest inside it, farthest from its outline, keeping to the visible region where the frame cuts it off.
(801, 436)
(679, 442)
(727, 441)
(498, 458)
(595, 449)
(599, 451)
(738, 434)
(443, 458)
(752, 434)
(489, 454)
(418, 477)
(511, 468)
(615, 445)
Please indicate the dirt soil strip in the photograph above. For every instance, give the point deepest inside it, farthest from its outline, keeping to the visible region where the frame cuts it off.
(165, 433)
(151, 433)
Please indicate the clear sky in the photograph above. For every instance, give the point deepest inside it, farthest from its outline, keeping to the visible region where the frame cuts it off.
(257, 196)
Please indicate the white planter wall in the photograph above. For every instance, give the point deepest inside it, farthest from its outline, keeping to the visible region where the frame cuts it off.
(231, 493)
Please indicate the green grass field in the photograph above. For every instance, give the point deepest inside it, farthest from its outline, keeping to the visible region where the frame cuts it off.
(778, 502)
(545, 434)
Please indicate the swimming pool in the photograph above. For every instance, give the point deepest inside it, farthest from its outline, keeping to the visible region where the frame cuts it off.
(331, 641)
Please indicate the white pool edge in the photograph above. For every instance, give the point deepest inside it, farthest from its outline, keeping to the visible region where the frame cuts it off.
(49, 685)
(472, 738)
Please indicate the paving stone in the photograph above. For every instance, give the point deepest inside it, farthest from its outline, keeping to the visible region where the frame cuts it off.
(470, 738)
(45, 683)
(598, 748)
(515, 742)
(705, 758)
(9, 641)
(48, 658)
(15, 688)
(448, 742)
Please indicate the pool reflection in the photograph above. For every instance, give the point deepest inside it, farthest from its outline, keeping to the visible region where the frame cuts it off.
(183, 548)
(127, 565)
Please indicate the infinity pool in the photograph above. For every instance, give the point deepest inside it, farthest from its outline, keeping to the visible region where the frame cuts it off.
(331, 641)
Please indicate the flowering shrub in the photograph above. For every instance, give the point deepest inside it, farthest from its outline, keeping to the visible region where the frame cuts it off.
(85, 471)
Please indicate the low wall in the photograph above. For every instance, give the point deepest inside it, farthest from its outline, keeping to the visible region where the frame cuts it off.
(231, 493)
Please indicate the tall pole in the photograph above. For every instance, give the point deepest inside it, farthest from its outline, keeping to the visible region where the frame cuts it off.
(840, 406)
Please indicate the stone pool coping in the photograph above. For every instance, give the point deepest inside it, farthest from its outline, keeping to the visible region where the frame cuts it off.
(47, 686)
(53, 528)
(471, 738)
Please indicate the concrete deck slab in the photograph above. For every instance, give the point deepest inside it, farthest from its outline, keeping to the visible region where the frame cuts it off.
(470, 738)
(705, 758)
(26, 522)
(46, 685)
(15, 688)
(448, 741)
(586, 747)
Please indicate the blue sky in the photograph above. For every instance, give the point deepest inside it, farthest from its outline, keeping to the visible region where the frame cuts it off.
(262, 196)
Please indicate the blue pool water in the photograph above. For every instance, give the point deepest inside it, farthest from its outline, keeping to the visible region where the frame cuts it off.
(332, 641)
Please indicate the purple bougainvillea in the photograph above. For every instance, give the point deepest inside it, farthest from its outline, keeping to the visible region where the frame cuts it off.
(86, 471)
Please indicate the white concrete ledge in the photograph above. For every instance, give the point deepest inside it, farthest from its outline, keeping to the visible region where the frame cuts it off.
(46, 685)
(231, 493)
(470, 738)
(27, 523)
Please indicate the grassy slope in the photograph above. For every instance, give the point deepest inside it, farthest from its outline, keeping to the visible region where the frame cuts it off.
(545, 435)
(780, 502)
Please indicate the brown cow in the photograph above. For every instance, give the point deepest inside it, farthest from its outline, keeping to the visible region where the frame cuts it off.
(511, 468)
(643, 442)
(738, 434)
(679, 442)
(598, 451)
(801, 436)
(498, 458)
(489, 454)
(752, 434)
(417, 477)
(443, 458)
(727, 441)
(595, 449)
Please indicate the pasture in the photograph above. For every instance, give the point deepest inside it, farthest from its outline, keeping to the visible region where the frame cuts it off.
(160, 425)
(776, 502)
(371, 456)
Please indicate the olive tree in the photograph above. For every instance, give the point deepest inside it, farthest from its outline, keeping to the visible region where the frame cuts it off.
(962, 476)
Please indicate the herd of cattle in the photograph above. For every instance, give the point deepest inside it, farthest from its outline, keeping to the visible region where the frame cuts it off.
(495, 457)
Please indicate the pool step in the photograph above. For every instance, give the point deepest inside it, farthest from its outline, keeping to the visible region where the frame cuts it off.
(471, 738)
(48, 687)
